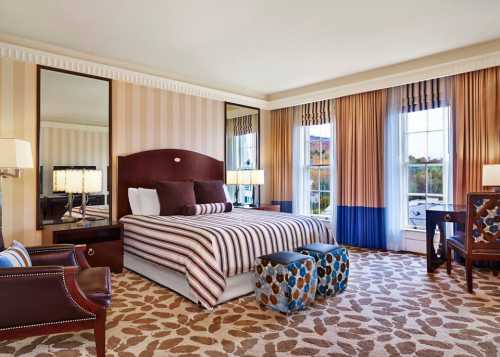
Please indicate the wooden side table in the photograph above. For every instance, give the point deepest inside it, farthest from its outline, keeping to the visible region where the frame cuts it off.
(438, 216)
(104, 241)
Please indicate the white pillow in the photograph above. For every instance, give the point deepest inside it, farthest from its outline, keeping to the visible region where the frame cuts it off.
(226, 192)
(149, 202)
(133, 199)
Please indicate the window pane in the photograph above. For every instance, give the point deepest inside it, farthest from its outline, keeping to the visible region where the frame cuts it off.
(325, 151)
(325, 203)
(417, 121)
(324, 179)
(416, 179)
(416, 212)
(417, 148)
(314, 178)
(435, 179)
(435, 149)
(436, 118)
(314, 205)
(315, 151)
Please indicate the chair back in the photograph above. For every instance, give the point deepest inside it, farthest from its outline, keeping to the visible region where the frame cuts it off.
(483, 221)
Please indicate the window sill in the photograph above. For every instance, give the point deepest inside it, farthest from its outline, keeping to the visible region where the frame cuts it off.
(408, 229)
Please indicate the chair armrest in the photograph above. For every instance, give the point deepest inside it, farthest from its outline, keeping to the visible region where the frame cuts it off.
(36, 296)
(58, 254)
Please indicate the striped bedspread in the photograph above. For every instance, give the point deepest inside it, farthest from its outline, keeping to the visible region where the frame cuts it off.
(92, 211)
(209, 248)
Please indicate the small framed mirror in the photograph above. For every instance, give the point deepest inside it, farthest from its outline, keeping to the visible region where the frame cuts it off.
(74, 147)
(242, 154)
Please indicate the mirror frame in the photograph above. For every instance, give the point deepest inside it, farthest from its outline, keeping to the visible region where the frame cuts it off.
(226, 104)
(39, 68)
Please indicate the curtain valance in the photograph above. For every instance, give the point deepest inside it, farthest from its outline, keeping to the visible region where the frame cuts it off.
(242, 125)
(316, 113)
(424, 95)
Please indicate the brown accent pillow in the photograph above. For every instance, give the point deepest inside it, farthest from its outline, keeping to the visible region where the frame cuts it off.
(174, 196)
(209, 191)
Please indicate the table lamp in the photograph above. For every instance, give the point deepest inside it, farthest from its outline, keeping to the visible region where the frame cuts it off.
(256, 178)
(15, 155)
(491, 176)
(84, 182)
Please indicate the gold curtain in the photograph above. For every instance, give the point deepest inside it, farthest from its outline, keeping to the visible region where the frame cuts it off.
(281, 148)
(360, 122)
(476, 116)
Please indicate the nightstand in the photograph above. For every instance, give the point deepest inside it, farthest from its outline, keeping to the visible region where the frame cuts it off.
(104, 241)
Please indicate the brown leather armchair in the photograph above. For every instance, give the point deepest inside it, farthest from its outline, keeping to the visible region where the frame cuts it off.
(59, 293)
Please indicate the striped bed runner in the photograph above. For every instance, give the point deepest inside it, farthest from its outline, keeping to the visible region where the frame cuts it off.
(209, 248)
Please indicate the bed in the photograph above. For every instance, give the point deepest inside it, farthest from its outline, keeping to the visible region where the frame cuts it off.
(207, 258)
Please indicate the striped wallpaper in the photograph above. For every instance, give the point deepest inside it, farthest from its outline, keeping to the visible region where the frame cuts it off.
(69, 145)
(18, 119)
(143, 119)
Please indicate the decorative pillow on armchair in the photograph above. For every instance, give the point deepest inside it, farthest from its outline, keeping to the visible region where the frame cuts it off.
(16, 256)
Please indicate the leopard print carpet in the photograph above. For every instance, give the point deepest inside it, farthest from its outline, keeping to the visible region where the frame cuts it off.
(391, 307)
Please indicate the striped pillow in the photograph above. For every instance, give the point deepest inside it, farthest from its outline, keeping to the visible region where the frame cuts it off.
(15, 257)
(207, 208)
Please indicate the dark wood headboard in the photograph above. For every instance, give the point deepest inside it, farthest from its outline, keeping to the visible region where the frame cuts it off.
(144, 169)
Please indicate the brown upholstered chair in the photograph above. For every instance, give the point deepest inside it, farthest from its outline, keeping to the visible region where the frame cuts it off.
(481, 240)
(59, 293)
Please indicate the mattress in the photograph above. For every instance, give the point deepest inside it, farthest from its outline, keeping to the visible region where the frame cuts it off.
(208, 249)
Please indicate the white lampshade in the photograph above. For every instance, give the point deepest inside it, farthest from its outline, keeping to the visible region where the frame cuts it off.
(257, 177)
(245, 177)
(59, 180)
(92, 181)
(79, 181)
(15, 154)
(232, 177)
(491, 175)
(74, 181)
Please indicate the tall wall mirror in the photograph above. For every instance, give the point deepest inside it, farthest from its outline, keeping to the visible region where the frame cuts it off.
(74, 141)
(242, 154)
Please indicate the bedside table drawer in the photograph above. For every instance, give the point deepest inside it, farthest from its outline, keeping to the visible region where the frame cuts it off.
(108, 254)
(87, 236)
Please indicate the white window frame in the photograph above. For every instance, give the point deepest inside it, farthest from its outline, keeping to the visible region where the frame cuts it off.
(446, 164)
(306, 167)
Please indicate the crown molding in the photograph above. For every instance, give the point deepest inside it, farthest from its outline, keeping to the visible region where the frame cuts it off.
(35, 56)
(448, 63)
(396, 78)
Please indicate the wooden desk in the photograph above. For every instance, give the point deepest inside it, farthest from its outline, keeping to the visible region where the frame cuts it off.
(438, 216)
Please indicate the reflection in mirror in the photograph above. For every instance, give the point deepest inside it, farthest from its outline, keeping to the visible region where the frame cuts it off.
(242, 153)
(73, 149)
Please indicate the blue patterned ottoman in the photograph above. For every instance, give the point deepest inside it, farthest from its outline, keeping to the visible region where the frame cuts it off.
(332, 264)
(286, 281)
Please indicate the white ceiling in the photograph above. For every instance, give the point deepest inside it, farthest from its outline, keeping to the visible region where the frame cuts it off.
(254, 47)
(72, 99)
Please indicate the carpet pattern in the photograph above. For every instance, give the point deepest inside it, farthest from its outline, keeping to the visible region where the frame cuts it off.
(391, 307)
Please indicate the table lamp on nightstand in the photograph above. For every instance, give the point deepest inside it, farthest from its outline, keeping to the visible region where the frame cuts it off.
(15, 155)
(491, 176)
(84, 182)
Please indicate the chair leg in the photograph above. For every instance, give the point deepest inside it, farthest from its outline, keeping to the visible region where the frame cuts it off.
(468, 274)
(100, 334)
(448, 259)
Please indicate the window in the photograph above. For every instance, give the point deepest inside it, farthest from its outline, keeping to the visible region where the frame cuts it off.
(426, 162)
(317, 170)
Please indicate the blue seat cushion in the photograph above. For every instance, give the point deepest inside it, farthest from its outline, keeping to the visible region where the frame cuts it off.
(318, 247)
(283, 258)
